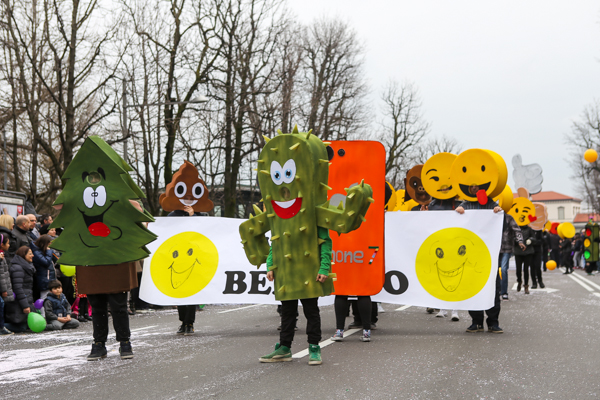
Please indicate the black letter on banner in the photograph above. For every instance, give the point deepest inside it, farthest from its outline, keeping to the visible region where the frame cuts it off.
(401, 279)
(258, 281)
(235, 278)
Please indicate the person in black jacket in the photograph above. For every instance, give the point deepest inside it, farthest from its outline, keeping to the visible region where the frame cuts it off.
(6, 293)
(538, 258)
(565, 251)
(524, 257)
(58, 309)
(20, 234)
(22, 273)
(44, 264)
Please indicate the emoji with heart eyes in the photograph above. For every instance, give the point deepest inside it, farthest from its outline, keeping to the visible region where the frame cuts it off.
(478, 174)
(522, 210)
(186, 189)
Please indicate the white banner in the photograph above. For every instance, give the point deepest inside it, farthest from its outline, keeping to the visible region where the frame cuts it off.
(435, 259)
(441, 259)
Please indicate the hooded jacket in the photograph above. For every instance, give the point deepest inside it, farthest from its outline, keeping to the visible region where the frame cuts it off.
(42, 261)
(5, 285)
(21, 275)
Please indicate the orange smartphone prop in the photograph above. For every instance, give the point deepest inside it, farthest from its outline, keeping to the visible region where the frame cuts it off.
(359, 255)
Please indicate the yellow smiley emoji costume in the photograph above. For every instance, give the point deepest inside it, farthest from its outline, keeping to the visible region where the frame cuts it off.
(479, 175)
(522, 209)
(435, 176)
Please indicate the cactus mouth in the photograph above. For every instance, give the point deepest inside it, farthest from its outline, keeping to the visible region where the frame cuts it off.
(287, 209)
(188, 202)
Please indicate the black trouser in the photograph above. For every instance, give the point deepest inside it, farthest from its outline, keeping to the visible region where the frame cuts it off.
(187, 314)
(83, 306)
(289, 311)
(590, 266)
(492, 313)
(356, 313)
(364, 308)
(118, 310)
(536, 266)
(524, 262)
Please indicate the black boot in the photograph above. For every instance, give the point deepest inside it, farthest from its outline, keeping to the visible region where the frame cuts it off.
(125, 350)
(98, 351)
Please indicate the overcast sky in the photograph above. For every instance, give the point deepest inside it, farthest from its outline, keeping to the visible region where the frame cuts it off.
(508, 76)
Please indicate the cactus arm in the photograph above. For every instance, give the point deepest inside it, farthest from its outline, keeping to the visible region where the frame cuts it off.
(349, 218)
(325, 249)
(254, 240)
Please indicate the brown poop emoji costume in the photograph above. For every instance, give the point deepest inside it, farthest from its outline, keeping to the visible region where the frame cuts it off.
(414, 186)
(186, 189)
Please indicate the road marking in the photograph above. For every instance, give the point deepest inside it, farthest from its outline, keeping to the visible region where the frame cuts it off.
(85, 339)
(241, 308)
(547, 290)
(585, 286)
(324, 343)
(588, 281)
(597, 294)
(402, 308)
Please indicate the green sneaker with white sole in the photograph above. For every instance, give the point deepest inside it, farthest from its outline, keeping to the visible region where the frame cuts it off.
(281, 353)
(314, 354)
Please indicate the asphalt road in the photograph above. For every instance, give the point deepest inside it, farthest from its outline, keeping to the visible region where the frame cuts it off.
(549, 351)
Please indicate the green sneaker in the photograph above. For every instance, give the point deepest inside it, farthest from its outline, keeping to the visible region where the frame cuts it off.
(281, 353)
(314, 352)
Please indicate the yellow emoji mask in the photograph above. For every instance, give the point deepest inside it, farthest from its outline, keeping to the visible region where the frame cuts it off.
(478, 174)
(435, 176)
(522, 210)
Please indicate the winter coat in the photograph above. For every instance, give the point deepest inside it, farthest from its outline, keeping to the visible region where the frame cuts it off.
(442, 205)
(5, 285)
(42, 261)
(528, 234)
(6, 232)
(20, 239)
(21, 276)
(511, 234)
(56, 307)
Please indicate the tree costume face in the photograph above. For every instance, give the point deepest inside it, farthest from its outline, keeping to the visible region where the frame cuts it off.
(186, 189)
(101, 226)
(293, 176)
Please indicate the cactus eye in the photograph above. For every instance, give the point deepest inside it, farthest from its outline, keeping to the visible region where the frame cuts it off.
(289, 171)
(276, 173)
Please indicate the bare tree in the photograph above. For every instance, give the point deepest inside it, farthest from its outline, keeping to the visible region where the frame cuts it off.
(333, 80)
(402, 129)
(585, 134)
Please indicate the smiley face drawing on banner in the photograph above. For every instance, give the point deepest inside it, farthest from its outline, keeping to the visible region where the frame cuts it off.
(453, 264)
(184, 264)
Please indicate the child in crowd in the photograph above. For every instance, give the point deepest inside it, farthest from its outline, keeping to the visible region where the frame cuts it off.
(6, 293)
(58, 309)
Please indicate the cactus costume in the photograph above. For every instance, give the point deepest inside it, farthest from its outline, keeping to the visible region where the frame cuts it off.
(293, 172)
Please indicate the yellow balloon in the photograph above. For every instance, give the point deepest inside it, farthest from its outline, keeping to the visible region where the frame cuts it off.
(590, 155)
(551, 264)
(184, 264)
(566, 230)
(453, 264)
(505, 199)
(67, 270)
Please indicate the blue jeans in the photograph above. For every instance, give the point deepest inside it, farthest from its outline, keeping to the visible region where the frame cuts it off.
(503, 261)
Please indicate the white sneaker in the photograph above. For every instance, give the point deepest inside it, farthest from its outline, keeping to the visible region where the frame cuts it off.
(379, 308)
(338, 336)
(455, 316)
(441, 314)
